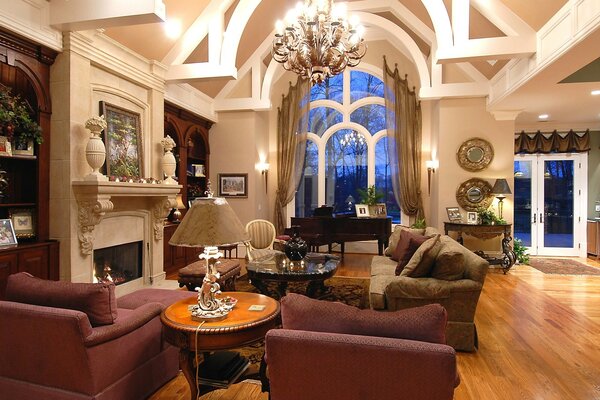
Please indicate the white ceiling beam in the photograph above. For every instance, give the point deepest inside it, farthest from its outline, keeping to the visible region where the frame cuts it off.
(199, 72)
(78, 15)
(460, 21)
(448, 90)
(488, 49)
(501, 16)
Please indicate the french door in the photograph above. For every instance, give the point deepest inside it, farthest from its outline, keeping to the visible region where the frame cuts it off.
(550, 197)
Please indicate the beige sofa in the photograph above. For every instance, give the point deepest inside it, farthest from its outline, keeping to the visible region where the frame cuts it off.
(455, 281)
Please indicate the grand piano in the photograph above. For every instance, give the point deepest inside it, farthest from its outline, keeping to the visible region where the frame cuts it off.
(321, 231)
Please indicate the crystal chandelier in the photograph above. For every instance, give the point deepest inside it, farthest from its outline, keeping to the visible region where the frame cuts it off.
(353, 138)
(316, 41)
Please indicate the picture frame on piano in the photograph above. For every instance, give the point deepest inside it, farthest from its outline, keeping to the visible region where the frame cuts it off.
(362, 211)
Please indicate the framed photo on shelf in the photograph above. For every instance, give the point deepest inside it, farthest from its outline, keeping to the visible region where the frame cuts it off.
(7, 233)
(378, 210)
(472, 217)
(454, 214)
(23, 148)
(233, 185)
(23, 221)
(362, 210)
(5, 148)
(123, 141)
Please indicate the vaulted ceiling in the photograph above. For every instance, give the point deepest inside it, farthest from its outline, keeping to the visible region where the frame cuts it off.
(484, 42)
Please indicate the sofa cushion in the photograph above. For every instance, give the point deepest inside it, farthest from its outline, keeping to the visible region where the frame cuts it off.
(393, 241)
(96, 300)
(427, 323)
(406, 247)
(449, 265)
(421, 262)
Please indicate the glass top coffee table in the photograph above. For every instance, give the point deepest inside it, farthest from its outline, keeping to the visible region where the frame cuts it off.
(276, 267)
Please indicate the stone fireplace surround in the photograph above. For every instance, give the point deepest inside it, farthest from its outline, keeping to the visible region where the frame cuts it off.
(113, 213)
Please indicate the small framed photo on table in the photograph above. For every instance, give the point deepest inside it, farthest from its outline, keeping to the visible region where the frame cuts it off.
(23, 221)
(454, 214)
(7, 233)
(362, 210)
(5, 148)
(472, 218)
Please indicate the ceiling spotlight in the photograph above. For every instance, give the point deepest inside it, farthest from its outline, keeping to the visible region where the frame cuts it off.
(173, 28)
(596, 92)
(543, 116)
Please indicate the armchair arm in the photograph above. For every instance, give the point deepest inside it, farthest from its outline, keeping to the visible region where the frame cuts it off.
(428, 288)
(124, 324)
(325, 366)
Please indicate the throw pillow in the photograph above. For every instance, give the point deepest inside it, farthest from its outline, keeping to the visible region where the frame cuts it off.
(449, 265)
(395, 236)
(407, 245)
(97, 300)
(421, 263)
(426, 323)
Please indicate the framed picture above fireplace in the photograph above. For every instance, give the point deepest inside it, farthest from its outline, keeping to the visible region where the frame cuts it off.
(123, 141)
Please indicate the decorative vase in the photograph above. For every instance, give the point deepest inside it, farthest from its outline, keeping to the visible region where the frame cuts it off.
(295, 248)
(169, 163)
(95, 152)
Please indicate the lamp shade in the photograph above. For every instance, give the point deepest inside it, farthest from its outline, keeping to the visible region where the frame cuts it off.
(501, 187)
(180, 205)
(209, 222)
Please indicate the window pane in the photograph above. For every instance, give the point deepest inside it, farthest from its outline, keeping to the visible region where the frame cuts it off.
(330, 89)
(307, 194)
(383, 179)
(321, 118)
(363, 85)
(345, 168)
(371, 116)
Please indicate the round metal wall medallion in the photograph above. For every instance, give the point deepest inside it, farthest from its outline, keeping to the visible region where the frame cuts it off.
(473, 194)
(475, 154)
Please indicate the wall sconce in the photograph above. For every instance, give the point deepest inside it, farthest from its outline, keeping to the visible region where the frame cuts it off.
(431, 165)
(263, 167)
(501, 189)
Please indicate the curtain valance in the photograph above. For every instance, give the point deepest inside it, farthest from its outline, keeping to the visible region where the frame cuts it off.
(552, 142)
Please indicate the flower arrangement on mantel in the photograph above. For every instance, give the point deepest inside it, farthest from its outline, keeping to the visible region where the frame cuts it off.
(167, 143)
(15, 119)
(96, 122)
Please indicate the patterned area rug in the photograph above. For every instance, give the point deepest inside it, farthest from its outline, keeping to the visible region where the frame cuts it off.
(351, 291)
(562, 266)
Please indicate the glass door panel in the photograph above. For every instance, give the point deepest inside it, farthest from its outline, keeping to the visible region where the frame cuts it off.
(558, 204)
(523, 202)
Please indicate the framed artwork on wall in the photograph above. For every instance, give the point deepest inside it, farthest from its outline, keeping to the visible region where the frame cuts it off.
(233, 185)
(123, 141)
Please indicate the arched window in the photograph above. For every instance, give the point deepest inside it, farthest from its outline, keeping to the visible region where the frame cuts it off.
(347, 146)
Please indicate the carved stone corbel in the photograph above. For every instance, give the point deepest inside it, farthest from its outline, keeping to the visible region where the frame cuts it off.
(161, 209)
(90, 215)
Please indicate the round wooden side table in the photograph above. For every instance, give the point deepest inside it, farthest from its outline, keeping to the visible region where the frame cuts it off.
(242, 326)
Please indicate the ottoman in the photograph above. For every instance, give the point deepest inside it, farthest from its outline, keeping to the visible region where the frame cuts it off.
(192, 275)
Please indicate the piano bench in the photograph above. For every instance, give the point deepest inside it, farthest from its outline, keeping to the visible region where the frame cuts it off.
(192, 275)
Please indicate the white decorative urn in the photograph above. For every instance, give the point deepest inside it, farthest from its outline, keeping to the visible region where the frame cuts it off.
(95, 152)
(168, 163)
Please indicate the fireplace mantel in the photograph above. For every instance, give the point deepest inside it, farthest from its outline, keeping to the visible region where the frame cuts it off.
(95, 200)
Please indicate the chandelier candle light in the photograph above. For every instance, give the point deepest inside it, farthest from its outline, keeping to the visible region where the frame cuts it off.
(209, 223)
(316, 40)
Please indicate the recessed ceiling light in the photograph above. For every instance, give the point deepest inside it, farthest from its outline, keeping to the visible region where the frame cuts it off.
(173, 28)
(543, 116)
(596, 92)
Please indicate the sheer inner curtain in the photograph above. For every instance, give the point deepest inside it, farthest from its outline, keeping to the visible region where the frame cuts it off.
(403, 119)
(292, 128)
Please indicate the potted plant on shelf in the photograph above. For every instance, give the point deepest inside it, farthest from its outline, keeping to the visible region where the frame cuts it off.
(17, 123)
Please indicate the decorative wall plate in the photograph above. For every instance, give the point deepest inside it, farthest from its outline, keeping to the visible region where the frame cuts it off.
(474, 193)
(475, 154)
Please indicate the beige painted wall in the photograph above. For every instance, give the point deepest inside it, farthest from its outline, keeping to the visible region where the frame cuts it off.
(455, 121)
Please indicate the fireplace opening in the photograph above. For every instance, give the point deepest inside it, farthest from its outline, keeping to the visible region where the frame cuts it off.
(118, 264)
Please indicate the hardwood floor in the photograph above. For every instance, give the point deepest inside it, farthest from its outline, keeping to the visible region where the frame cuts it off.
(539, 338)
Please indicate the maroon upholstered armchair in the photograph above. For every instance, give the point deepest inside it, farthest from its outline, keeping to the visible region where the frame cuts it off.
(331, 351)
(63, 340)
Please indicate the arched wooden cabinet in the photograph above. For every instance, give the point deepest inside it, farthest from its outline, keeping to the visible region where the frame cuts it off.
(190, 133)
(25, 69)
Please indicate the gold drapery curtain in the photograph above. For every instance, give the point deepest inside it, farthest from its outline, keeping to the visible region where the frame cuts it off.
(292, 127)
(403, 119)
(552, 142)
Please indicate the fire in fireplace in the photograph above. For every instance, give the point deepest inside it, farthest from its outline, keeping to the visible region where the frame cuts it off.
(118, 264)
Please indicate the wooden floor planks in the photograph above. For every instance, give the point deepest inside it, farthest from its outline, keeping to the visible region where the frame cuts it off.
(539, 338)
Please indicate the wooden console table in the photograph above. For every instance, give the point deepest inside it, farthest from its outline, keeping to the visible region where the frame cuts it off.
(486, 232)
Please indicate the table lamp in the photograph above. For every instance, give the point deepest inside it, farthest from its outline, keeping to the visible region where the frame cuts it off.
(501, 189)
(209, 223)
(175, 214)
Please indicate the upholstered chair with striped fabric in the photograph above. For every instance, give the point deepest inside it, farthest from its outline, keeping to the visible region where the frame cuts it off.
(262, 236)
